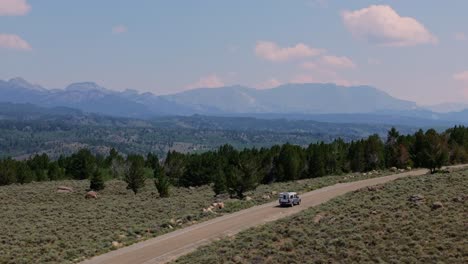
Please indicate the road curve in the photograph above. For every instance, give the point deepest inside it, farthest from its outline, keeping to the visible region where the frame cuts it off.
(168, 247)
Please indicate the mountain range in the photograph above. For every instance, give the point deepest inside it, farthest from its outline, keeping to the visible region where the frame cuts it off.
(312, 101)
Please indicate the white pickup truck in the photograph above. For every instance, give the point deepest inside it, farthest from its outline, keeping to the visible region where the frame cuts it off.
(289, 199)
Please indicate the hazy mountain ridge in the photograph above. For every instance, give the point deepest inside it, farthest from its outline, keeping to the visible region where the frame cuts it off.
(289, 98)
(447, 107)
(292, 98)
(321, 102)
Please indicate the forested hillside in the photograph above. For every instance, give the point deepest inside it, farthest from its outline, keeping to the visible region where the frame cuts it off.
(27, 129)
(237, 171)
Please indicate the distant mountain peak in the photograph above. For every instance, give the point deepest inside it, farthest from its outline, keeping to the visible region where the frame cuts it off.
(85, 86)
(286, 99)
(130, 92)
(305, 98)
(20, 82)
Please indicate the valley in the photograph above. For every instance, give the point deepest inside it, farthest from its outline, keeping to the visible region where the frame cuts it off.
(28, 129)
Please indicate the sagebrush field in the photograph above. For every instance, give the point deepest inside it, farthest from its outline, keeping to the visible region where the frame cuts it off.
(39, 225)
(413, 220)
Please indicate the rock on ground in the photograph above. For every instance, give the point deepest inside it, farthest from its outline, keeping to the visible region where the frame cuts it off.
(91, 195)
(64, 189)
(116, 244)
(416, 198)
(375, 188)
(461, 198)
(318, 218)
(436, 205)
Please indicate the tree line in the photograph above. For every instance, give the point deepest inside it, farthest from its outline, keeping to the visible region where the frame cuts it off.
(235, 171)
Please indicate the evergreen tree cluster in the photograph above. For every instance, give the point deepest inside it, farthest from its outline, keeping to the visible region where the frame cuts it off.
(236, 171)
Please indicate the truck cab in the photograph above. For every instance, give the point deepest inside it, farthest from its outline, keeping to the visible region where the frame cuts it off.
(289, 199)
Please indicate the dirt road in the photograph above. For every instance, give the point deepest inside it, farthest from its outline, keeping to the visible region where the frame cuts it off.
(168, 247)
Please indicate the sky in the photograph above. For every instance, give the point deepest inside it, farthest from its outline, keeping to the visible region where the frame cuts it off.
(415, 50)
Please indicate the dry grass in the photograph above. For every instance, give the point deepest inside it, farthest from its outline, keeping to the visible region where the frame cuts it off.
(39, 225)
(367, 226)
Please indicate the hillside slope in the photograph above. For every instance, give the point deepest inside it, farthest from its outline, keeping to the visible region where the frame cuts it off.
(401, 222)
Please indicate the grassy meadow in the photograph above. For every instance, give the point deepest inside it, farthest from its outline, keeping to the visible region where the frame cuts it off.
(39, 225)
(412, 220)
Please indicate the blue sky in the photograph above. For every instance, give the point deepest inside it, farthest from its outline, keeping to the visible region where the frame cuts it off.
(415, 50)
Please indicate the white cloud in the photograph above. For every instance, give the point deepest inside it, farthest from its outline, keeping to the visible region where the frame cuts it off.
(303, 78)
(321, 72)
(329, 63)
(14, 7)
(15, 42)
(338, 62)
(309, 78)
(210, 81)
(310, 66)
(271, 51)
(383, 25)
(271, 83)
(461, 76)
(119, 29)
(461, 36)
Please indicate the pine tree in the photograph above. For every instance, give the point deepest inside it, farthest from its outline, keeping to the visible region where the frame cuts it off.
(243, 175)
(55, 172)
(289, 165)
(198, 170)
(161, 181)
(152, 161)
(418, 148)
(135, 175)
(219, 181)
(7, 171)
(392, 148)
(40, 175)
(316, 163)
(175, 166)
(97, 181)
(25, 174)
(374, 153)
(434, 152)
(81, 165)
(356, 156)
(118, 168)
